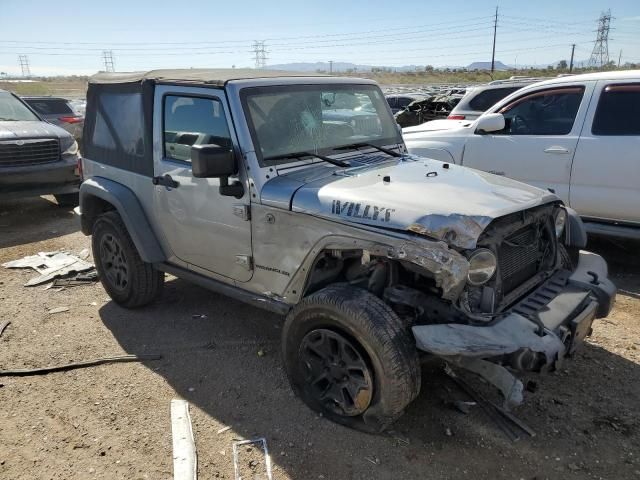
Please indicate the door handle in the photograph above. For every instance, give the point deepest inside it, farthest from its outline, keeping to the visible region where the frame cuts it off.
(165, 181)
(560, 150)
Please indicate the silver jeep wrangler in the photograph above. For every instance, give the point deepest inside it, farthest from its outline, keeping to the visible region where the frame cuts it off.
(296, 194)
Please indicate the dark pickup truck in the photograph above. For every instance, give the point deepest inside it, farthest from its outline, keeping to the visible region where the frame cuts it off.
(36, 158)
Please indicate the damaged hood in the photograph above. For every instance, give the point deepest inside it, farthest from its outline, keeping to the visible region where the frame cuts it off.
(454, 204)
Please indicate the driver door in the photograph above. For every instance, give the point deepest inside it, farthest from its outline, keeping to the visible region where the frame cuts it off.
(208, 231)
(539, 140)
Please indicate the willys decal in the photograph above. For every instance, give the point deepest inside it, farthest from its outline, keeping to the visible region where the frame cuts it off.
(362, 210)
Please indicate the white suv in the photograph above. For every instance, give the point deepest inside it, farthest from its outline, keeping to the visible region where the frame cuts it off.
(576, 136)
(480, 98)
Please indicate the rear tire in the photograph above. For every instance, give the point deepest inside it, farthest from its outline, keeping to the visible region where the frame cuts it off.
(129, 281)
(67, 199)
(348, 356)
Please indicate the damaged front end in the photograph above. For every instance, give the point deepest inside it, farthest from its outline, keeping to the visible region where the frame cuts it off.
(535, 310)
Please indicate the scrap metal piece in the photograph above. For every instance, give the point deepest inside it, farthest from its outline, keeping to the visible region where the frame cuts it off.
(486, 407)
(185, 460)
(267, 459)
(23, 372)
(498, 376)
(86, 278)
(499, 415)
(50, 265)
(4, 325)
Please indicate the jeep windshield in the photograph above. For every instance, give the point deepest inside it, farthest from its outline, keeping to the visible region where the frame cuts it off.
(316, 119)
(13, 110)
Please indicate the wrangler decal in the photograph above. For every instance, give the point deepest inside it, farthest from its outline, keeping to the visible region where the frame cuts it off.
(273, 269)
(359, 210)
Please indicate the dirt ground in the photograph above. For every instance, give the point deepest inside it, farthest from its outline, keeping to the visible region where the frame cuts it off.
(113, 421)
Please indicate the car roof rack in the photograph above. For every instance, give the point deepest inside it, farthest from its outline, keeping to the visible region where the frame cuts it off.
(518, 79)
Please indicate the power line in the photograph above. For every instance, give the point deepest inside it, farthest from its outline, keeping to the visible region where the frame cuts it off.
(462, 23)
(600, 53)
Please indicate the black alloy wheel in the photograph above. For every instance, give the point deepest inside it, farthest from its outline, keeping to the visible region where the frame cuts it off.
(337, 374)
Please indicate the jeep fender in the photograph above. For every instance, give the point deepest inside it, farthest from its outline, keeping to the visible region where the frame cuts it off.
(98, 194)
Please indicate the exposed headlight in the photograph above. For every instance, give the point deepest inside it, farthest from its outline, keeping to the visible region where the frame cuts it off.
(482, 266)
(561, 220)
(69, 148)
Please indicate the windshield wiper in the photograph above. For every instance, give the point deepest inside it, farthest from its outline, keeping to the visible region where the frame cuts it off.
(364, 144)
(333, 161)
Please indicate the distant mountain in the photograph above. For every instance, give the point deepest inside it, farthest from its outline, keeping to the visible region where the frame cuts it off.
(338, 67)
(315, 66)
(487, 66)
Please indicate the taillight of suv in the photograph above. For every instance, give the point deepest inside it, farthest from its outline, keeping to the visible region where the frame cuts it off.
(79, 171)
(70, 119)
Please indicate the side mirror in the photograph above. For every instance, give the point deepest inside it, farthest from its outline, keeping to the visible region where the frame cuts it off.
(213, 161)
(490, 122)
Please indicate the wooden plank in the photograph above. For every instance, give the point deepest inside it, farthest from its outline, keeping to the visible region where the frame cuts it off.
(185, 461)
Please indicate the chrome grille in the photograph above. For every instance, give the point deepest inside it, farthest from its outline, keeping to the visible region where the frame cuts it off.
(520, 257)
(29, 152)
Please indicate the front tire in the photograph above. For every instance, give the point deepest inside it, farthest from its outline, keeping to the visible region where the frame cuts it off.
(349, 357)
(129, 281)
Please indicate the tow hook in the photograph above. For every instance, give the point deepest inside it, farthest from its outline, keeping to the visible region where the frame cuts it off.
(594, 278)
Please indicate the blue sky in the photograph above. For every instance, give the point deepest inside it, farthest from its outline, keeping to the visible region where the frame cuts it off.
(68, 37)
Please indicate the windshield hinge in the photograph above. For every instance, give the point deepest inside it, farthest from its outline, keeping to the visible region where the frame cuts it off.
(242, 211)
(245, 261)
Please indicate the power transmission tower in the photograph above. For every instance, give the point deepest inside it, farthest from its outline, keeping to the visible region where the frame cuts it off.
(24, 65)
(260, 54)
(493, 54)
(600, 53)
(107, 57)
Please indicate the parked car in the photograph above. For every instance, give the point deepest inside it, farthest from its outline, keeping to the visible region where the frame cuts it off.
(36, 157)
(58, 111)
(428, 108)
(480, 98)
(233, 179)
(398, 102)
(577, 136)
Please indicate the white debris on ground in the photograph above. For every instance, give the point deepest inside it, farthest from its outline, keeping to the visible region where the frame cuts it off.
(50, 265)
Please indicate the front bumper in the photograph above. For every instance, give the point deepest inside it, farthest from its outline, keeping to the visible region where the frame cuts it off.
(537, 333)
(40, 179)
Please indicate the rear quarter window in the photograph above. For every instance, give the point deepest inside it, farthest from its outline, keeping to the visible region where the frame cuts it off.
(618, 111)
(50, 106)
(488, 98)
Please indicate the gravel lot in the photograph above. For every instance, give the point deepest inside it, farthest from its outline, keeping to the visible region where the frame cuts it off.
(113, 421)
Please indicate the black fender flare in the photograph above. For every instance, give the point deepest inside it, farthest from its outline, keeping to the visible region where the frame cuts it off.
(575, 231)
(125, 202)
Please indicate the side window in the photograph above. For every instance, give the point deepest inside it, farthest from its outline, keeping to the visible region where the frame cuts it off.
(192, 121)
(546, 112)
(392, 101)
(404, 101)
(118, 124)
(618, 111)
(488, 98)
